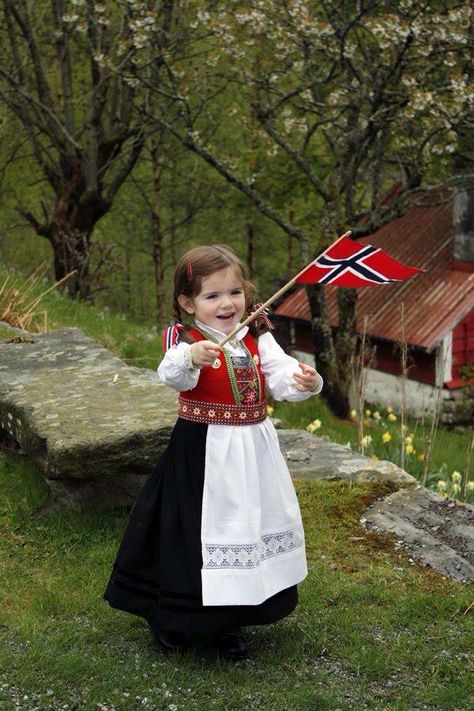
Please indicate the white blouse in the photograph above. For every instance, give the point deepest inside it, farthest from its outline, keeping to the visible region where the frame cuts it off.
(277, 366)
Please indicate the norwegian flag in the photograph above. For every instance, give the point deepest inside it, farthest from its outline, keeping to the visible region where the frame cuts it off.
(350, 264)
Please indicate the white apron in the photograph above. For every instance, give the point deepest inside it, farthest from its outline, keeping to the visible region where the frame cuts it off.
(252, 535)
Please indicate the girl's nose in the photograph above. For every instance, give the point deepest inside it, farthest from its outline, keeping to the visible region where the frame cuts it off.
(226, 300)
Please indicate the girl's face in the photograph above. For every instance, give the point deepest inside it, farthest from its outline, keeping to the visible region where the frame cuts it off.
(221, 301)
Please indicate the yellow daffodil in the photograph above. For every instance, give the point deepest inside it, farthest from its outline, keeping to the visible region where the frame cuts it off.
(386, 437)
(366, 440)
(354, 414)
(389, 409)
(368, 412)
(421, 457)
(470, 485)
(270, 410)
(391, 417)
(313, 426)
(456, 476)
(441, 485)
(409, 449)
(456, 489)
(377, 415)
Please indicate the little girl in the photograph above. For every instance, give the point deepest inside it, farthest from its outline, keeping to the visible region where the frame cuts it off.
(215, 540)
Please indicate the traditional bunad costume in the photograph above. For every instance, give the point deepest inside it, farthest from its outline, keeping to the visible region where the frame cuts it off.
(215, 539)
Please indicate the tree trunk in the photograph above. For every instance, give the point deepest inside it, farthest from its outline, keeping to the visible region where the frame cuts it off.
(71, 248)
(250, 248)
(75, 215)
(156, 222)
(334, 348)
(127, 287)
(346, 345)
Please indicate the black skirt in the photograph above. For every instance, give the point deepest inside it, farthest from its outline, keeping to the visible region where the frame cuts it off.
(157, 570)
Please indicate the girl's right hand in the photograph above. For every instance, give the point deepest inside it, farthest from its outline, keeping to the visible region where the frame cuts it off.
(204, 353)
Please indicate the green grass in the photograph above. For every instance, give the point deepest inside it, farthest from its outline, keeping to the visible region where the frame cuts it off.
(371, 630)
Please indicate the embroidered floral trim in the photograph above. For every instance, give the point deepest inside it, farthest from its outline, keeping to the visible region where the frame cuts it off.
(216, 413)
(250, 555)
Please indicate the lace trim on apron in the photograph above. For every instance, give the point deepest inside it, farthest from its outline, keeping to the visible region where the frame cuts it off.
(251, 555)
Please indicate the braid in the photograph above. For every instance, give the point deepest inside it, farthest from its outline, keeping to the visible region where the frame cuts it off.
(185, 335)
(176, 311)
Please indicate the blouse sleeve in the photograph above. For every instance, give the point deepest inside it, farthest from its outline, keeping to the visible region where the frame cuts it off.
(173, 370)
(278, 368)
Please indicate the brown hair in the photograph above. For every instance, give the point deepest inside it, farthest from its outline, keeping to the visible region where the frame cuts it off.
(200, 262)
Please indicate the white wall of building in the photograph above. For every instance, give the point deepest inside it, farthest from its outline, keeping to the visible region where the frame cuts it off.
(444, 360)
(384, 389)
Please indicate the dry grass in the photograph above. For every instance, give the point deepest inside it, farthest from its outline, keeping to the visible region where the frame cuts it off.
(20, 307)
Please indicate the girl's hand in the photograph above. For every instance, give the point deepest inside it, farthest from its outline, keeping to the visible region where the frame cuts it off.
(309, 380)
(204, 353)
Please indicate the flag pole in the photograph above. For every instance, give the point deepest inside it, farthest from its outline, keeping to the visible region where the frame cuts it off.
(269, 301)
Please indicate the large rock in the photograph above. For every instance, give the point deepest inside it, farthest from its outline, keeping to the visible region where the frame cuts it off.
(437, 532)
(311, 457)
(92, 424)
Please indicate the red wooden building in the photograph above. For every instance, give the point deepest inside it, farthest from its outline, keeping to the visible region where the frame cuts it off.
(437, 235)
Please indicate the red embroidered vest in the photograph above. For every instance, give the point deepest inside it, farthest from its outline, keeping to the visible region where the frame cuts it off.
(229, 394)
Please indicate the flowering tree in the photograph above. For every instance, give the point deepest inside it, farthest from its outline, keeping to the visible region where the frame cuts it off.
(80, 118)
(358, 96)
(351, 96)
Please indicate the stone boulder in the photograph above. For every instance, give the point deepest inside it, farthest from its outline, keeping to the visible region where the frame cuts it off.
(435, 531)
(312, 457)
(92, 424)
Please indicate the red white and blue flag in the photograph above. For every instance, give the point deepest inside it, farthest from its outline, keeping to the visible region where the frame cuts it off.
(171, 336)
(349, 264)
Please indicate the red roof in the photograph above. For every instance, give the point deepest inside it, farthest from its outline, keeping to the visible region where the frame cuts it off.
(433, 302)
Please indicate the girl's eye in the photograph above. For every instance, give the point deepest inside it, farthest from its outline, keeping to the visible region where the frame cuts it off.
(237, 292)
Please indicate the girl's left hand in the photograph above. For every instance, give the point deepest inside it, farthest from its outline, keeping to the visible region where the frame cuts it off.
(309, 380)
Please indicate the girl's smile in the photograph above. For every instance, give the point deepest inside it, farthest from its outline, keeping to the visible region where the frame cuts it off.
(221, 302)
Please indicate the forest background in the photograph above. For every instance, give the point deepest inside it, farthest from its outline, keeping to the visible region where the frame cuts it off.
(131, 130)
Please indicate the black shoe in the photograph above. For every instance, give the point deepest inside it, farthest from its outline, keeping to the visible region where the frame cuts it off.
(230, 645)
(171, 641)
